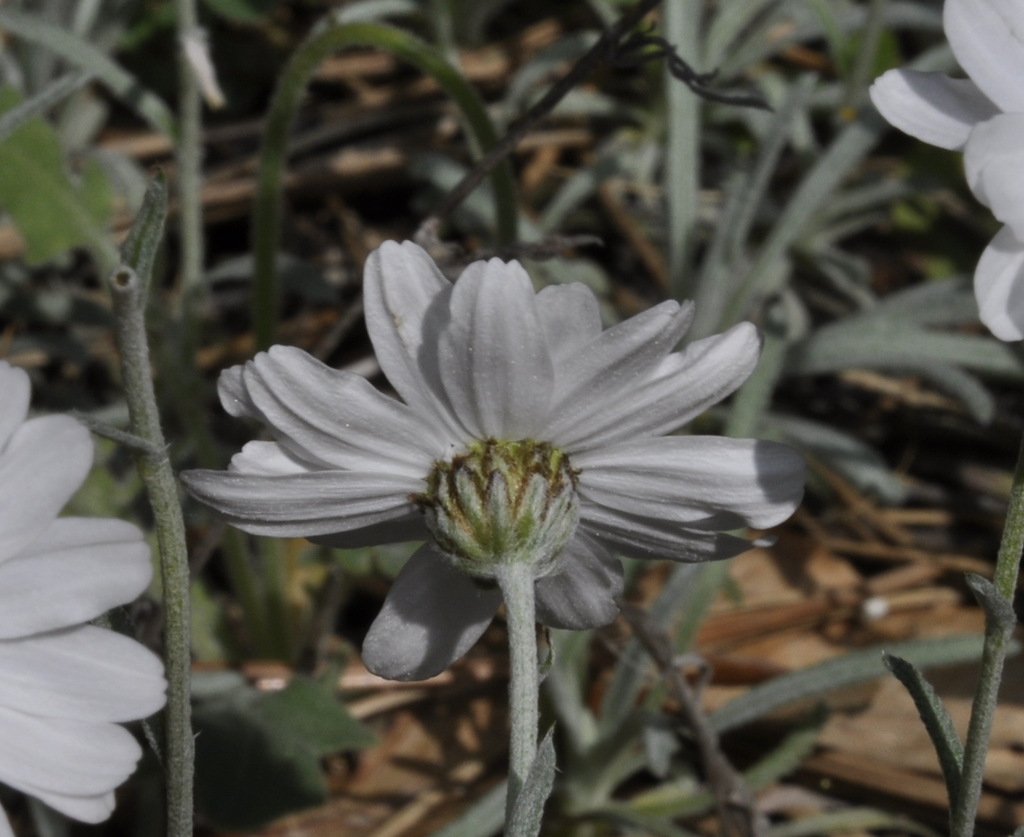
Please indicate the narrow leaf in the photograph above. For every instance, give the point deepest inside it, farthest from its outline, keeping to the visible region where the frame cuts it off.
(999, 611)
(140, 247)
(484, 819)
(947, 744)
(41, 102)
(34, 29)
(857, 820)
(856, 667)
(528, 812)
(675, 800)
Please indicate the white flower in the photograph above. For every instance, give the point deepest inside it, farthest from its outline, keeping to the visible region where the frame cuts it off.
(526, 434)
(983, 116)
(64, 685)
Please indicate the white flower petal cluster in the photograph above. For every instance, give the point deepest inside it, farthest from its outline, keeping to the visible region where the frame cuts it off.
(488, 370)
(64, 685)
(982, 116)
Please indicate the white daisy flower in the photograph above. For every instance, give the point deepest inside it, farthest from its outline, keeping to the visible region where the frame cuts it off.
(983, 116)
(525, 433)
(64, 685)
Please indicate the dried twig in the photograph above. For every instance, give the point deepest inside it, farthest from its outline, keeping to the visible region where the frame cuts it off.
(737, 808)
(616, 46)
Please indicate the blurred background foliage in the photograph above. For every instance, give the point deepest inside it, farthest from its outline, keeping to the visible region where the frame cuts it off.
(850, 246)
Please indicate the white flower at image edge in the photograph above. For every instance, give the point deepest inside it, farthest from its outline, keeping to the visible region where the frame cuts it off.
(525, 433)
(64, 685)
(983, 116)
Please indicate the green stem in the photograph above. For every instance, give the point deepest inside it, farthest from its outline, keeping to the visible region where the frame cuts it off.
(682, 162)
(189, 159)
(516, 582)
(290, 89)
(998, 632)
(158, 476)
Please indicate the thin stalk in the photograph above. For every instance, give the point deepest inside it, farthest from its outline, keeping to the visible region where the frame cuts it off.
(444, 30)
(189, 158)
(997, 638)
(158, 476)
(682, 152)
(516, 582)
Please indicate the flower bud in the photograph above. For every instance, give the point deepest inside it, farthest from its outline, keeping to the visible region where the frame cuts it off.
(502, 502)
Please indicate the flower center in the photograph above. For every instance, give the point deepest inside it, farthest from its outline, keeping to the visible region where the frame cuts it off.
(502, 502)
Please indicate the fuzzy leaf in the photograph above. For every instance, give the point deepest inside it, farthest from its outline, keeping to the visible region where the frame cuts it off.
(140, 247)
(52, 212)
(948, 747)
(528, 811)
(258, 754)
(855, 667)
(483, 819)
(999, 611)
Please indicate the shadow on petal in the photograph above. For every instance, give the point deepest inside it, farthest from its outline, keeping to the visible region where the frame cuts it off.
(433, 614)
(582, 594)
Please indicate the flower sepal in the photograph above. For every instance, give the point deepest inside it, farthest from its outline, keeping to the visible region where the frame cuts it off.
(502, 502)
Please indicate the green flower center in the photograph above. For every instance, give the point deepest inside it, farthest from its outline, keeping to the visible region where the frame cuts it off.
(502, 502)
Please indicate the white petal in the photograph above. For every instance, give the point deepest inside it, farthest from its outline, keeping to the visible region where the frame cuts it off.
(682, 387)
(582, 593)
(999, 286)
(267, 459)
(234, 397)
(400, 530)
(406, 299)
(987, 37)
(63, 756)
(494, 359)
(433, 614)
(16, 394)
(76, 570)
(91, 809)
(652, 539)
(571, 318)
(336, 418)
(84, 674)
(5, 825)
(932, 107)
(594, 378)
(44, 463)
(994, 164)
(303, 505)
(701, 482)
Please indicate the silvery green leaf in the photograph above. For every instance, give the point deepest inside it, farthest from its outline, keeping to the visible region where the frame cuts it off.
(41, 102)
(528, 811)
(850, 820)
(84, 55)
(140, 247)
(936, 302)
(661, 742)
(997, 608)
(936, 719)
(855, 667)
(878, 342)
(856, 461)
(375, 10)
(484, 818)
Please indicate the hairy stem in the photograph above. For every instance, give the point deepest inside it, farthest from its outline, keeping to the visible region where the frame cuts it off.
(516, 582)
(998, 631)
(189, 159)
(155, 468)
